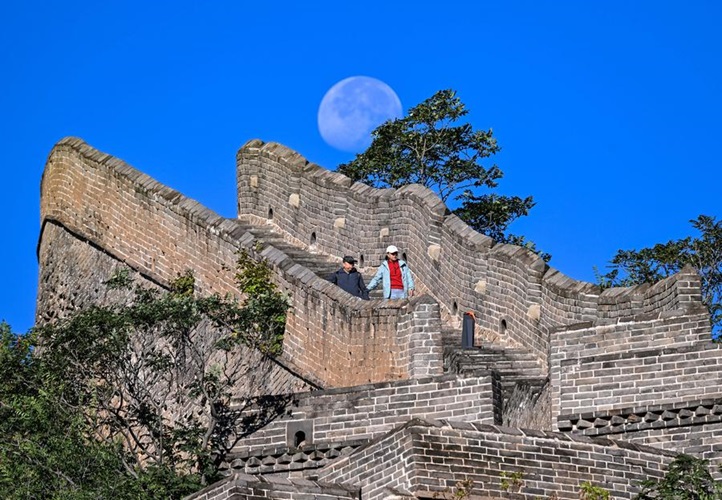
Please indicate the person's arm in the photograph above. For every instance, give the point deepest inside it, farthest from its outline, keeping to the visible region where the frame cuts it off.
(410, 281)
(362, 287)
(376, 279)
(333, 278)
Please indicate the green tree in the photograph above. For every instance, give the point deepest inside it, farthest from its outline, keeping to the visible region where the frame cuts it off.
(427, 147)
(687, 478)
(134, 399)
(648, 265)
(46, 447)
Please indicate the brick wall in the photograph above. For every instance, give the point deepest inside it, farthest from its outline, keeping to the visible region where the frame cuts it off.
(73, 275)
(510, 289)
(158, 232)
(427, 457)
(701, 440)
(419, 335)
(652, 359)
(242, 487)
(638, 347)
(690, 426)
(366, 412)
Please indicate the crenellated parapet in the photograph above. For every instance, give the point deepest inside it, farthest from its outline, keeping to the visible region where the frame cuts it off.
(116, 210)
(511, 290)
(601, 374)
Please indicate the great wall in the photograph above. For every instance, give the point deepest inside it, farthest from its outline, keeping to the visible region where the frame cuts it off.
(567, 383)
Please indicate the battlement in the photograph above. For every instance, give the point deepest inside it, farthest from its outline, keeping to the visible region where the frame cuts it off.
(636, 363)
(159, 233)
(511, 290)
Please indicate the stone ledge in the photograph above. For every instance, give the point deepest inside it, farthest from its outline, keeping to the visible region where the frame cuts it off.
(287, 459)
(643, 418)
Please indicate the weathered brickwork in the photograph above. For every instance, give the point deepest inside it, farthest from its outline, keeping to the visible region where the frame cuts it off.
(694, 426)
(701, 440)
(73, 277)
(242, 486)
(366, 412)
(419, 335)
(509, 288)
(650, 360)
(152, 228)
(159, 233)
(424, 457)
(632, 364)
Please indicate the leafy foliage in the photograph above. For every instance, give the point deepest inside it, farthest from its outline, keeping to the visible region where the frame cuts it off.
(134, 400)
(264, 308)
(512, 482)
(588, 491)
(704, 253)
(46, 448)
(426, 147)
(687, 478)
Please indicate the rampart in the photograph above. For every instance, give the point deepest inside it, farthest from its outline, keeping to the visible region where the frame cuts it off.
(366, 412)
(651, 360)
(510, 289)
(335, 339)
(653, 379)
(627, 367)
(241, 486)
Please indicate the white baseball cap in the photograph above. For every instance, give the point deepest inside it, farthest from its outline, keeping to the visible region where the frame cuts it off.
(391, 249)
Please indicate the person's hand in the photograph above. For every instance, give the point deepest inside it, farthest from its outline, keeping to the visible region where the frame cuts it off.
(411, 293)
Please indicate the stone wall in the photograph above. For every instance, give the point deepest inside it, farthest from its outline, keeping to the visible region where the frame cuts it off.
(331, 337)
(702, 440)
(633, 362)
(423, 458)
(73, 275)
(691, 426)
(366, 412)
(510, 289)
(650, 359)
(242, 487)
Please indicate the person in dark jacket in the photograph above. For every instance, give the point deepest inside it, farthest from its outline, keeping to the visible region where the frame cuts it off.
(349, 279)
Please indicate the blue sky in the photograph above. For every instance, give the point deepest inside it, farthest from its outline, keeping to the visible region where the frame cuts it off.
(608, 113)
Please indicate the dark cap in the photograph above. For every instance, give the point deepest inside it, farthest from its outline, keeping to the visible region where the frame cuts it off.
(349, 259)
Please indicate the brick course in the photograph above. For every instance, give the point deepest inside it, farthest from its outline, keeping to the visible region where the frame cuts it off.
(426, 457)
(366, 412)
(654, 360)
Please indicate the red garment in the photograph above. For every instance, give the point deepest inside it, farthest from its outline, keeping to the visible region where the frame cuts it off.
(395, 270)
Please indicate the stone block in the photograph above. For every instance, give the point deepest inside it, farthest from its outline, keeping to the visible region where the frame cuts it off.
(294, 200)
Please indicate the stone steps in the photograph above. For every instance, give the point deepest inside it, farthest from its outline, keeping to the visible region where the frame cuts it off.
(515, 367)
(319, 264)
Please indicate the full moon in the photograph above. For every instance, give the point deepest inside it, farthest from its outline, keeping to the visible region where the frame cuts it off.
(352, 109)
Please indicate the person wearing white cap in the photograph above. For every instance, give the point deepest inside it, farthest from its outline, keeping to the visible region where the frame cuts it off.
(394, 275)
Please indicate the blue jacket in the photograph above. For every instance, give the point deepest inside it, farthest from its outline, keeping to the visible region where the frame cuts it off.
(383, 275)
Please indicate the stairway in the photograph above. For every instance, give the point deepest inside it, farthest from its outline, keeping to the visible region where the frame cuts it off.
(320, 264)
(518, 369)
